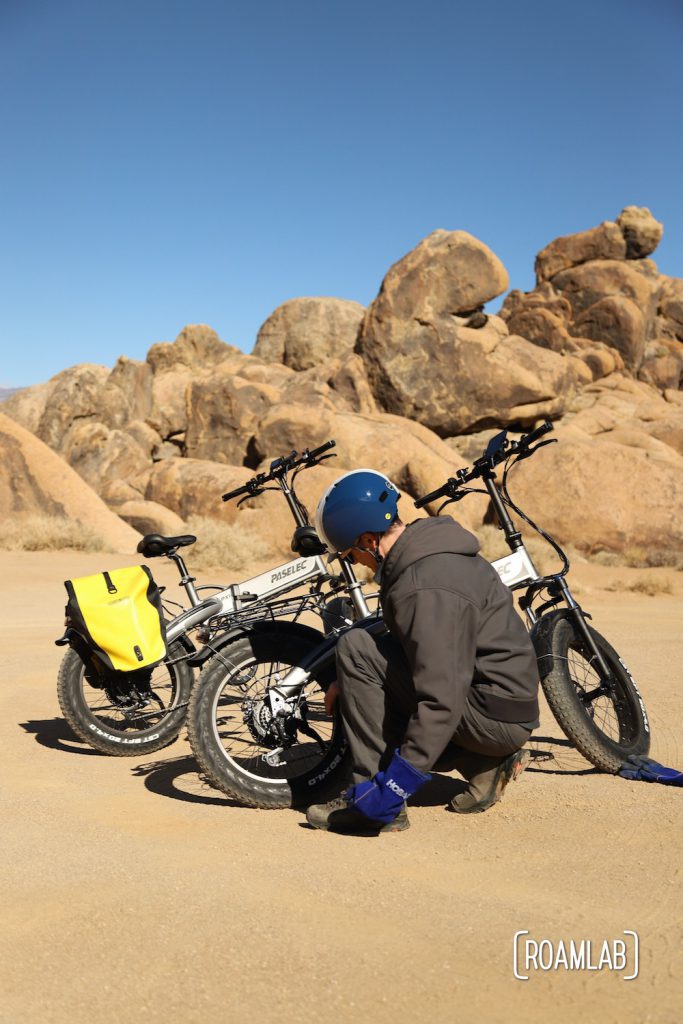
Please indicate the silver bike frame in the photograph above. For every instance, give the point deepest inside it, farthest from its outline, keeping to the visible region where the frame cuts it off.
(516, 568)
(250, 593)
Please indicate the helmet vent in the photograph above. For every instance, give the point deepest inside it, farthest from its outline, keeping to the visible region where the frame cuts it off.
(383, 496)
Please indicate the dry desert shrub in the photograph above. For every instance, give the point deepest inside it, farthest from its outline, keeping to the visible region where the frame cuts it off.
(650, 586)
(226, 545)
(640, 558)
(48, 533)
(608, 558)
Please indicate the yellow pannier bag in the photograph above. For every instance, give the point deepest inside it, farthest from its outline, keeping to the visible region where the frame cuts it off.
(119, 616)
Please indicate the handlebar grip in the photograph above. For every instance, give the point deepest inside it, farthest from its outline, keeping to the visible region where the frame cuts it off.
(323, 448)
(236, 493)
(432, 496)
(544, 428)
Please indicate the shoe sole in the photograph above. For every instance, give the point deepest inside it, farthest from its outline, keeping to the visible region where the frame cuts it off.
(509, 771)
(359, 830)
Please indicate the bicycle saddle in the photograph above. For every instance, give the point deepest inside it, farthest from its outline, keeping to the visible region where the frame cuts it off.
(153, 544)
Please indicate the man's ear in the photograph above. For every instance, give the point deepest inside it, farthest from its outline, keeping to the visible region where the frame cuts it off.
(367, 541)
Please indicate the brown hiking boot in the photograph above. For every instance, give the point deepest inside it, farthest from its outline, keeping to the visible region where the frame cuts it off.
(337, 816)
(488, 780)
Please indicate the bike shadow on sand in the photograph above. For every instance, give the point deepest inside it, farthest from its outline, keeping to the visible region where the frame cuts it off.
(56, 734)
(554, 755)
(179, 779)
(550, 755)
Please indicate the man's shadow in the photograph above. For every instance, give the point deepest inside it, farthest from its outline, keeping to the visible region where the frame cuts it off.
(56, 734)
(441, 788)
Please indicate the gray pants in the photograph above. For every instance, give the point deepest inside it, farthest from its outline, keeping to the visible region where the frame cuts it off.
(378, 699)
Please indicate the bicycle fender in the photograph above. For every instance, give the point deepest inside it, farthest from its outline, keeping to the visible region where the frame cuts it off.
(541, 634)
(185, 641)
(248, 629)
(322, 662)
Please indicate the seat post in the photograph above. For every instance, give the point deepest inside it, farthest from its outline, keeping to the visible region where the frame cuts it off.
(186, 580)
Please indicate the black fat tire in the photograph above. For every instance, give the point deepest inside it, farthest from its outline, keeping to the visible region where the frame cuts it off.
(563, 649)
(101, 734)
(316, 784)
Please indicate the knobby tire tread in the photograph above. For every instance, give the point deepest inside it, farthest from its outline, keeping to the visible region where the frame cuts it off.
(560, 691)
(218, 770)
(77, 714)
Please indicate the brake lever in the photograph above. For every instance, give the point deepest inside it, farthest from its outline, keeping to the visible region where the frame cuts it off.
(248, 497)
(307, 462)
(526, 452)
(449, 501)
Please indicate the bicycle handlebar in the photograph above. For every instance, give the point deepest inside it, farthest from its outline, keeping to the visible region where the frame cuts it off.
(498, 449)
(317, 452)
(427, 499)
(528, 439)
(279, 468)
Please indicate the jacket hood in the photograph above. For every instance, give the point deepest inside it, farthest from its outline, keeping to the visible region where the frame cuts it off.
(427, 537)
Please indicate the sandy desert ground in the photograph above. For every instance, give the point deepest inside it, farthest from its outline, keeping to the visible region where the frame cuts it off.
(133, 892)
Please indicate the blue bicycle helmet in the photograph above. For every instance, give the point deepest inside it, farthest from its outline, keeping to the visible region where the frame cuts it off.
(358, 502)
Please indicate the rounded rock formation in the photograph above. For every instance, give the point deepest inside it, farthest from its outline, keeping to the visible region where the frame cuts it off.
(426, 358)
(642, 233)
(307, 332)
(606, 242)
(34, 479)
(456, 379)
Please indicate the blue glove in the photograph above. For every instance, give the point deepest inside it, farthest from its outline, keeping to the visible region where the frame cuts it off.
(644, 769)
(381, 799)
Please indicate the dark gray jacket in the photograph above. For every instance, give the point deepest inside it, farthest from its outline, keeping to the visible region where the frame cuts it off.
(463, 639)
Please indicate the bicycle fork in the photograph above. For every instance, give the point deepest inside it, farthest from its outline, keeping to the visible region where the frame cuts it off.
(577, 615)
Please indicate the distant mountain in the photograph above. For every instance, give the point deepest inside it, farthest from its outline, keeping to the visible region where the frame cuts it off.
(6, 392)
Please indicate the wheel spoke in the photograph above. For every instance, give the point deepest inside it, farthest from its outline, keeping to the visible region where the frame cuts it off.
(163, 689)
(245, 742)
(606, 711)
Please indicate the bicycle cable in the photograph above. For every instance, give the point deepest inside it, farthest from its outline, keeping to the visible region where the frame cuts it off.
(507, 500)
(461, 494)
(505, 496)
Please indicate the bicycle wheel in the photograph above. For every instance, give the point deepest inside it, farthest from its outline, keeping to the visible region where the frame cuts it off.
(261, 759)
(128, 718)
(604, 728)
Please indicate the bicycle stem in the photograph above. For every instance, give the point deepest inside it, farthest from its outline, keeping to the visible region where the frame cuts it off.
(513, 537)
(354, 587)
(293, 502)
(514, 541)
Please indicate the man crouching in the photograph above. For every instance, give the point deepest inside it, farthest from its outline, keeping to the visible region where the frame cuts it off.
(457, 665)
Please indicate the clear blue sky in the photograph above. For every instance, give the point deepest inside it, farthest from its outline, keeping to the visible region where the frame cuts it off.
(165, 162)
